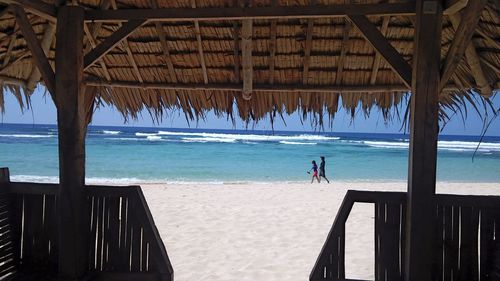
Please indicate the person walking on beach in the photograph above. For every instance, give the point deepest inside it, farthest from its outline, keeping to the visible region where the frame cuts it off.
(315, 172)
(322, 169)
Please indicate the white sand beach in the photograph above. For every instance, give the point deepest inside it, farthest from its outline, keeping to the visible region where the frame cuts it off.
(266, 232)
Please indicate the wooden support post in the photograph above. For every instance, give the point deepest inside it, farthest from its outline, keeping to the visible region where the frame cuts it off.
(72, 127)
(420, 224)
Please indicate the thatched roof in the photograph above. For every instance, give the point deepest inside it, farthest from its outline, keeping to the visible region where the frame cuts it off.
(302, 64)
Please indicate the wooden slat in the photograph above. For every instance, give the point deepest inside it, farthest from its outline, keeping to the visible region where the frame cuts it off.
(107, 45)
(6, 58)
(382, 46)
(463, 36)
(237, 13)
(453, 6)
(272, 45)
(200, 45)
(39, 57)
(450, 243)
(33, 188)
(469, 221)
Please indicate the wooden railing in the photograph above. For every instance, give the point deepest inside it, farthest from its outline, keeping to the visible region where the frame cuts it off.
(123, 241)
(467, 238)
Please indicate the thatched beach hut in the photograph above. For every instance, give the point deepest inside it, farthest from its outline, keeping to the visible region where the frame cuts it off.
(267, 57)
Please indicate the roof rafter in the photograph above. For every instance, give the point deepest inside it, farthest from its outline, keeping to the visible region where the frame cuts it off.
(240, 13)
(104, 47)
(93, 44)
(200, 46)
(308, 47)
(39, 57)
(163, 41)
(386, 50)
(343, 51)
(453, 6)
(378, 57)
(246, 52)
(256, 87)
(473, 60)
(272, 45)
(48, 37)
(463, 36)
(36, 7)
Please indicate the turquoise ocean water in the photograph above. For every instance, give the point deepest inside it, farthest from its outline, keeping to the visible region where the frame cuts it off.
(128, 154)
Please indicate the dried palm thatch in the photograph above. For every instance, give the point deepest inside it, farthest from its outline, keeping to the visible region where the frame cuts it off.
(315, 65)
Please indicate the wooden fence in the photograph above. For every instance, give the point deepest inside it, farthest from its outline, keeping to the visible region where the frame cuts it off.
(123, 241)
(467, 238)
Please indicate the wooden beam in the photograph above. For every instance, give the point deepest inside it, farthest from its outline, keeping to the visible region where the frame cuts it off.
(241, 13)
(72, 126)
(200, 45)
(36, 7)
(246, 52)
(454, 6)
(107, 45)
(343, 52)
(93, 44)
(463, 36)
(378, 57)
(421, 206)
(473, 60)
(163, 41)
(48, 37)
(256, 87)
(126, 46)
(308, 47)
(386, 50)
(39, 57)
(236, 52)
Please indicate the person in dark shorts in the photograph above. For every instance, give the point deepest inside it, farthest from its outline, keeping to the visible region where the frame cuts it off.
(315, 172)
(322, 169)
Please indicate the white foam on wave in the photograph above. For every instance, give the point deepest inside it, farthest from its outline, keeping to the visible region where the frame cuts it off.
(458, 146)
(26, 136)
(251, 137)
(107, 132)
(154, 138)
(208, 139)
(298, 143)
(139, 134)
(124, 139)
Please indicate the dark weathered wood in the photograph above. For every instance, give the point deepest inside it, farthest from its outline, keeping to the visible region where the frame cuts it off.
(124, 276)
(71, 119)
(307, 48)
(463, 36)
(48, 37)
(420, 229)
(238, 13)
(39, 57)
(378, 57)
(386, 50)
(4, 176)
(33, 188)
(107, 45)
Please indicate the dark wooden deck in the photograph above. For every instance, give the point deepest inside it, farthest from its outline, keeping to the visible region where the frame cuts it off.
(467, 240)
(123, 242)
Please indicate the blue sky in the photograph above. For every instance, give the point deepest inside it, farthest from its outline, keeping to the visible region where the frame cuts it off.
(43, 112)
